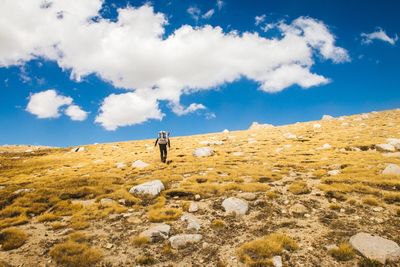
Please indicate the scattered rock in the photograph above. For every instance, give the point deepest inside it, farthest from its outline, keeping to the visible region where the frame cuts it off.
(247, 196)
(385, 148)
(391, 169)
(317, 126)
(333, 172)
(78, 149)
(183, 240)
(237, 154)
(298, 209)
(394, 142)
(151, 188)
(375, 247)
(120, 165)
(327, 117)
(325, 146)
(157, 232)
(258, 126)
(235, 205)
(197, 197)
(139, 164)
(225, 131)
(203, 152)
(277, 261)
(193, 207)
(23, 191)
(193, 222)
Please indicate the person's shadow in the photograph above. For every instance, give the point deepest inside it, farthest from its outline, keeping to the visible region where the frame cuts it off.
(168, 162)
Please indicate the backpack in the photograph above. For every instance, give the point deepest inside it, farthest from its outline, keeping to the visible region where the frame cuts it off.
(163, 137)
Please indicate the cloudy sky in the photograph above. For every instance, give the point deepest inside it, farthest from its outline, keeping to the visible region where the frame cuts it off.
(78, 72)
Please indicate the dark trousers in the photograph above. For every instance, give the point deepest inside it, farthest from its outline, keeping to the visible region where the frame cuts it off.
(163, 152)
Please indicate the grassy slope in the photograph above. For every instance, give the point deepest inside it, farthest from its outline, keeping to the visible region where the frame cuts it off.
(276, 168)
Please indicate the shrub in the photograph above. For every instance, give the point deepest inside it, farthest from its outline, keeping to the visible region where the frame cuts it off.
(298, 188)
(343, 253)
(139, 241)
(259, 251)
(73, 254)
(12, 238)
(144, 260)
(164, 214)
(334, 206)
(217, 224)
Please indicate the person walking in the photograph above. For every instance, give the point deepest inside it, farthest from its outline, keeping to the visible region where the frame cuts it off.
(163, 141)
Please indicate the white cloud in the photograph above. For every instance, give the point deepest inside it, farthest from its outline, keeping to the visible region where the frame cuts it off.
(127, 109)
(379, 34)
(220, 4)
(194, 12)
(179, 110)
(76, 113)
(208, 14)
(133, 53)
(259, 19)
(47, 104)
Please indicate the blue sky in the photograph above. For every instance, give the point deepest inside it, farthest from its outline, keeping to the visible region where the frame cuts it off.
(362, 77)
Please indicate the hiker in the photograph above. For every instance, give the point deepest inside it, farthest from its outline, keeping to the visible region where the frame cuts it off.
(163, 141)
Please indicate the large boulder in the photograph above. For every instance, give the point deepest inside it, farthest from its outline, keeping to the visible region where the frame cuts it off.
(391, 169)
(157, 232)
(139, 164)
(394, 142)
(203, 152)
(375, 247)
(235, 205)
(149, 188)
(182, 240)
(385, 148)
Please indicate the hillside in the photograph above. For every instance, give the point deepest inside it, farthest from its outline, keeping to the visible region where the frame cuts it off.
(309, 187)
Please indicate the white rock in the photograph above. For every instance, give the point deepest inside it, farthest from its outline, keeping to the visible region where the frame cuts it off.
(106, 202)
(193, 222)
(151, 188)
(235, 205)
(325, 146)
(203, 152)
(364, 116)
(156, 231)
(392, 155)
(139, 164)
(317, 126)
(345, 124)
(385, 148)
(120, 165)
(23, 191)
(237, 154)
(394, 142)
(258, 126)
(333, 172)
(375, 247)
(327, 117)
(391, 169)
(193, 207)
(183, 240)
(290, 136)
(298, 209)
(277, 261)
(225, 131)
(78, 149)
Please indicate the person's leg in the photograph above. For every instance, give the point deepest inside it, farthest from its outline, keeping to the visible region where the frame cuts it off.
(165, 154)
(161, 153)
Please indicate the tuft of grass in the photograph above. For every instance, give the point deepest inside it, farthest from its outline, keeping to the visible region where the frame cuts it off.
(391, 197)
(12, 238)
(58, 225)
(139, 241)
(372, 201)
(334, 206)
(365, 262)
(73, 254)
(299, 188)
(258, 252)
(164, 214)
(272, 194)
(145, 260)
(343, 253)
(48, 217)
(217, 224)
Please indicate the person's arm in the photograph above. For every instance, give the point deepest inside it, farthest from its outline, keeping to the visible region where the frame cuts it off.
(156, 142)
(169, 143)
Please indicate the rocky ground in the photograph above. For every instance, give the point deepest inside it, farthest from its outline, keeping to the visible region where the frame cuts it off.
(322, 193)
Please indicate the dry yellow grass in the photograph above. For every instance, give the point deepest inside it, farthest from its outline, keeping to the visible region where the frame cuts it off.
(12, 238)
(139, 241)
(75, 254)
(260, 251)
(343, 252)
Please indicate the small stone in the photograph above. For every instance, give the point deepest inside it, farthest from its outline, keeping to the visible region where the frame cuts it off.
(120, 165)
(197, 197)
(377, 209)
(247, 196)
(193, 207)
(277, 261)
(203, 152)
(391, 169)
(109, 246)
(151, 188)
(106, 202)
(157, 231)
(183, 240)
(298, 209)
(375, 247)
(330, 247)
(385, 148)
(139, 164)
(333, 172)
(235, 205)
(193, 222)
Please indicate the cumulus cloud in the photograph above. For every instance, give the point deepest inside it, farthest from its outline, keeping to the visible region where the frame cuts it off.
(76, 113)
(47, 104)
(379, 34)
(133, 53)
